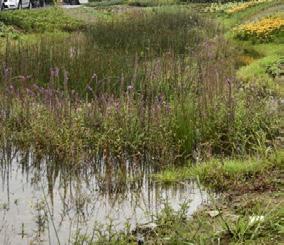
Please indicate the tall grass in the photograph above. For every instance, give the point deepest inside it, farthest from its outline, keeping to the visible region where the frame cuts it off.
(155, 82)
(127, 47)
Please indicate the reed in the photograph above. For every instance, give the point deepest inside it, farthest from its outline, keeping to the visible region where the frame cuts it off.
(156, 82)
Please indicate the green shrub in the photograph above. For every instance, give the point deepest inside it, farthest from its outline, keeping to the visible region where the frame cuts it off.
(41, 20)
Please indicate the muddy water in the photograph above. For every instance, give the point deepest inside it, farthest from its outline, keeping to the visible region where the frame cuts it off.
(42, 202)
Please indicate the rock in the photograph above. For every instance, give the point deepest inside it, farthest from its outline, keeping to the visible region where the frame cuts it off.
(148, 226)
(256, 219)
(140, 239)
(213, 213)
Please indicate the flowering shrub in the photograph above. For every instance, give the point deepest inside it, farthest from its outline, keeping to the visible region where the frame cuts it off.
(242, 6)
(262, 30)
(233, 7)
(217, 7)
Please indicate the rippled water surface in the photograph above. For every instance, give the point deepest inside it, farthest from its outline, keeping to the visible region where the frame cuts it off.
(46, 203)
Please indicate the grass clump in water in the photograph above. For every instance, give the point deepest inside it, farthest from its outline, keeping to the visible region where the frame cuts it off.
(149, 82)
(229, 175)
(243, 215)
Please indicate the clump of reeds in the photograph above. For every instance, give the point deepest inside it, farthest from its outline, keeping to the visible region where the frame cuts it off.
(166, 90)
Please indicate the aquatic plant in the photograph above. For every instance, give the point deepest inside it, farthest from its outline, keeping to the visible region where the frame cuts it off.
(147, 84)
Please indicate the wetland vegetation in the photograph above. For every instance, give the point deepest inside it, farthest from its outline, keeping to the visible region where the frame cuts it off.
(121, 103)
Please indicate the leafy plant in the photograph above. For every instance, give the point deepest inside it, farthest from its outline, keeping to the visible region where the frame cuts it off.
(41, 20)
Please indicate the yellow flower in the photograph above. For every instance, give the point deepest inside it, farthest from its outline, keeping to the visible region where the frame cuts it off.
(237, 7)
(263, 29)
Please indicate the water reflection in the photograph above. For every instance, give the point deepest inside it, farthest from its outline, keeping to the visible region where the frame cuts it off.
(44, 201)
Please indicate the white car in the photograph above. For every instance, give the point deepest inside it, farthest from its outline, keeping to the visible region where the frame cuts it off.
(15, 4)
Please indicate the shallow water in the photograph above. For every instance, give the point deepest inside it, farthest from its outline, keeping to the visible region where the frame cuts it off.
(45, 203)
